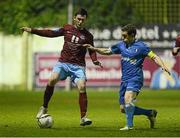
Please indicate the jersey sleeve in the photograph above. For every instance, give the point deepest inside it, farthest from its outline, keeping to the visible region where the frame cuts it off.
(145, 50)
(48, 32)
(92, 54)
(115, 49)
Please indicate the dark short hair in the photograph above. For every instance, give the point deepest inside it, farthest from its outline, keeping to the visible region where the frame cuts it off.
(82, 12)
(130, 29)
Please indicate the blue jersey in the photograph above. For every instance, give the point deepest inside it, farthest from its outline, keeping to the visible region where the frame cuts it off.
(132, 59)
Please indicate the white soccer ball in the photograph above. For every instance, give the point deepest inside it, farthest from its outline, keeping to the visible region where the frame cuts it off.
(45, 121)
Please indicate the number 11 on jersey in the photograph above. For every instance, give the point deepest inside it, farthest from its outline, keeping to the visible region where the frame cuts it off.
(74, 39)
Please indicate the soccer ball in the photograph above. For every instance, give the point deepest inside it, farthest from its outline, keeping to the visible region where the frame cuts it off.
(45, 121)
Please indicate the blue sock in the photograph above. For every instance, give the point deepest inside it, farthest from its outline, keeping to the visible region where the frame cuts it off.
(129, 109)
(141, 111)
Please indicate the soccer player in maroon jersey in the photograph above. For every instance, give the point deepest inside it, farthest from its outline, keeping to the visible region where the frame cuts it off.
(176, 48)
(71, 61)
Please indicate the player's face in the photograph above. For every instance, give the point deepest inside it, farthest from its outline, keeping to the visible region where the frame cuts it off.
(127, 38)
(79, 20)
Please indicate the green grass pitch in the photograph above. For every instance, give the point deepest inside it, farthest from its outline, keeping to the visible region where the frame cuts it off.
(18, 111)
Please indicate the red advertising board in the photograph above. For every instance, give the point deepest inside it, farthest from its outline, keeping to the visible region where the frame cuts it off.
(110, 74)
(43, 64)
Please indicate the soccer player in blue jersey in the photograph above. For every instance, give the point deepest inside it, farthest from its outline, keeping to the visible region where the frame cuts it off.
(133, 53)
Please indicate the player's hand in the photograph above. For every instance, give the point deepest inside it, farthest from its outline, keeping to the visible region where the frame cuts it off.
(97, 63)
(175, 51)
(26, 29)
(169, 76)
(166, 70)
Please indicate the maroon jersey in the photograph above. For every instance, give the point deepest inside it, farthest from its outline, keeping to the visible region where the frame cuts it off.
(72, 51)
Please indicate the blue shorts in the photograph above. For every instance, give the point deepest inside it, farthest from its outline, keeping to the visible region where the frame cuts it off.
(133, 86)
(75, 72)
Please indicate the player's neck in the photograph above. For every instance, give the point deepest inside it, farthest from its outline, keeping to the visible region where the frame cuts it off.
(130, 42)
(79, 28)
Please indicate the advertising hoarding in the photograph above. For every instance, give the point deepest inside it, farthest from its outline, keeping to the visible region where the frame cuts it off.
(110, 74)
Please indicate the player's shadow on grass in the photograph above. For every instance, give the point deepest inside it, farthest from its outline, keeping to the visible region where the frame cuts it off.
(93, 128)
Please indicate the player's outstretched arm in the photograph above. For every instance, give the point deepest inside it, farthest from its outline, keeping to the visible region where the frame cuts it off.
(43, 32)
(102, 51)
(158, 61)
